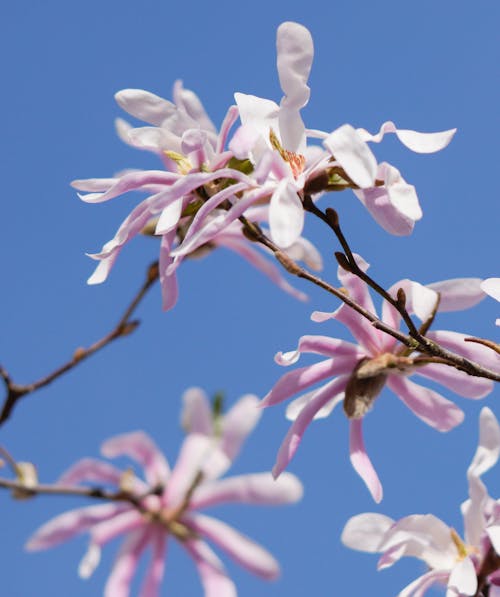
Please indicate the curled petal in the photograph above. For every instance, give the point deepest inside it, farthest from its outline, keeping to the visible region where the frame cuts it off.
(488, 449)
(168, 276)
(139, 446)
(431, 407)
(418, 142)
(258, 488)
(294, 436)
(361, 462)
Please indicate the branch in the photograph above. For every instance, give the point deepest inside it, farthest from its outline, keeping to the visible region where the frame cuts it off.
(124, 327)
(414, 340)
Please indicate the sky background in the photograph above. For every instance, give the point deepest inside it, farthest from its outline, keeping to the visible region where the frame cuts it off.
(427, 66)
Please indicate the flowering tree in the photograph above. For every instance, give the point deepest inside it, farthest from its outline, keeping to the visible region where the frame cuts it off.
(250, 186)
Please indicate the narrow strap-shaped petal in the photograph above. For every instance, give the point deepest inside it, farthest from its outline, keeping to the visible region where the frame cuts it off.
(168, 275)
(213, 576)
(196, 415)
(458, 293)
(123, 522)
(243, 550)
(300, 379)
(365, 532)
(431, 407)
(156, 568)
(144, 105)
(127, 560)
(361, 462)
(67, 525)
(229, 119)
(419, 586)
(245, 250)
(470, 350)
(139, 446)
(188, 101)
(370, 339)
(457, 381)
(324, 345)
(90, 469)
(294, 408)
(297, 429)
(238, 422)
(257, 488)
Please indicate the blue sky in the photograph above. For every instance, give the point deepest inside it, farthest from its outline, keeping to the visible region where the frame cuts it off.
(427, 66)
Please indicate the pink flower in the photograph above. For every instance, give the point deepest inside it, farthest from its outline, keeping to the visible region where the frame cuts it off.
(452, 561)
(357, 373)
(168, 502)
(492, 287)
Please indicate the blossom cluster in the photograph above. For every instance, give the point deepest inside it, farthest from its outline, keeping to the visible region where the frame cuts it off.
(211, 182)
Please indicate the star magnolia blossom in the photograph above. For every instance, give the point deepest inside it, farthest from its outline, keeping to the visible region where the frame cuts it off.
(357, 373)
(452, 561)
(183, 202)
(169, 501)
(492, 287)
(391, 201)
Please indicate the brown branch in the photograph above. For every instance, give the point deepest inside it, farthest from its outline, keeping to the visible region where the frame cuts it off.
(125, 326)
(415, 342)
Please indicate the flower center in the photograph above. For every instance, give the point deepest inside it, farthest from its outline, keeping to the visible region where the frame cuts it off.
(296, 160)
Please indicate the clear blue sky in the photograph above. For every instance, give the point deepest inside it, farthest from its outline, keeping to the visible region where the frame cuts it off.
(425, 65)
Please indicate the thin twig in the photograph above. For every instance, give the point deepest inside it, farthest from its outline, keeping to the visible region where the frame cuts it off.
(124, 327)
(419, 343)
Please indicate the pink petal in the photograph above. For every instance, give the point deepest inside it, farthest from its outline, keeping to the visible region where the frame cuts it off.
(300, 379)
(124, 522)
(240, 548)
(244, 249)
(323, 345)
(353, 154)
(238, 423)
(475, 352)
(196, 416)
(67, 525)
(297, 429)
(370, 339)
(168, 278)
(258, 488)
(457, 381)
(156, 569)
(214, 579)
(431, 407)
(361, 462)
(458, 294)
(229, 119)
(188, 101)
(89, 469)
(382, 203)
(127, 560)
(140, 447)
(294, 408)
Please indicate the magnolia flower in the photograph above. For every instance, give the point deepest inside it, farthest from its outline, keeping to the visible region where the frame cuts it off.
(166, 503)
(357, 373)
(492, 287)
(465, 566)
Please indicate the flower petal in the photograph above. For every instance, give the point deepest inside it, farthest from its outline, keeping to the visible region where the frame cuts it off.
(286, 214)
(463, 578)
(238, 423)
(294, 436)
(419, 586)
(89, 469)
(457, 381)
(488, 449)
(458, 293)
(240, 548)
(431, 407)
(139, 446)
(258, 488)
(214, 579)
(418, 142)
(353, 154)
(145, 105)
(365, 532)
(196, 416)
(361, 462)
(156, 568)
